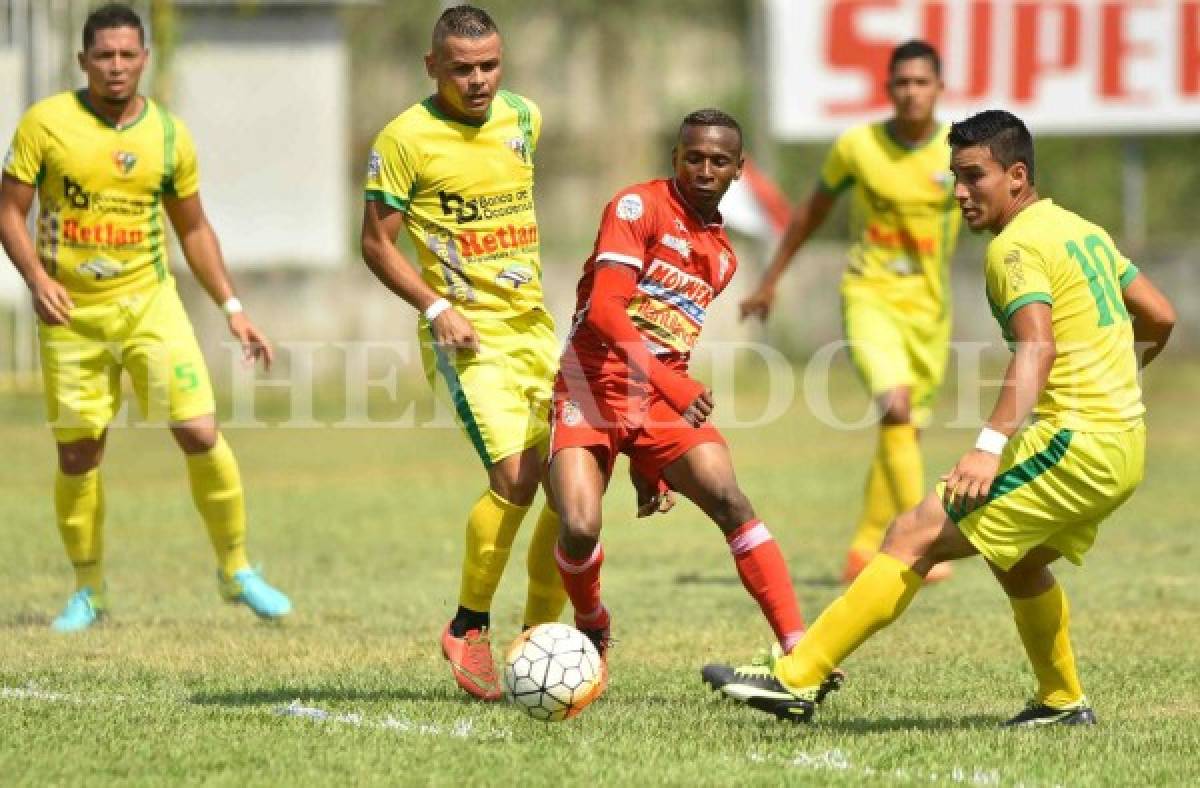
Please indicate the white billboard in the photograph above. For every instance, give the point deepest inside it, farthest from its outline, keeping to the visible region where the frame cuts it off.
(1071, 66)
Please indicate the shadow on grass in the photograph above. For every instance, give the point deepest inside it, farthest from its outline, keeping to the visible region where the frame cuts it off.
(697, 579)
(268, 696)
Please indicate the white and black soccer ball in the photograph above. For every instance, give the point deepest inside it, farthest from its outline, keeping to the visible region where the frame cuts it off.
(553, 672)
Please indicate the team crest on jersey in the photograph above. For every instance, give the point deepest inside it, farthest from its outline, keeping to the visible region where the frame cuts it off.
(374, 164)
(723, 261)
(520, 148)
(678, 244)
(124, 161)
(515, 275)
(571, 414)
(942, 178)
(8, 158)
(630, 208)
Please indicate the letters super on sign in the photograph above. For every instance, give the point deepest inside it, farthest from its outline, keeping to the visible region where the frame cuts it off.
(1072, 66)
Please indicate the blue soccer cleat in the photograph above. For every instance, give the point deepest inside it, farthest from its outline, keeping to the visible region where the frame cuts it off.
(84, 608)
(248, 588)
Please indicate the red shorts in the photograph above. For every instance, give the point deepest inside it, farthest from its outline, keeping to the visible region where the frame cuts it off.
(618, 416)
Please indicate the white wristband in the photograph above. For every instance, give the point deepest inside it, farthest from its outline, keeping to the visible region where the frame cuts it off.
(436, 308)
(991, 441)
(232, 306)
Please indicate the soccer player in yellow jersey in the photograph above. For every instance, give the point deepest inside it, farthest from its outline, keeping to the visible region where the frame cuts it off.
(105, 163)
(456, 171)
(895, 291)
(1079, 319)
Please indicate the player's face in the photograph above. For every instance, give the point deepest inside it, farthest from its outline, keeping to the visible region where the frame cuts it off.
(984, 189)
(914, 88)
(467, 71)
(707, 160)
(114, 64)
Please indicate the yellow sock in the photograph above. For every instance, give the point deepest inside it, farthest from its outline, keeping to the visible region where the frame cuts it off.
(878, 511)
(491, 527)
(1043, 621)
(875, 599)
(900, 455)
(217, 493)
(546, 597)
(79, 506)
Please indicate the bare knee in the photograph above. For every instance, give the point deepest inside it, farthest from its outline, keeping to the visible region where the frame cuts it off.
(925, 536)
(896, 406)
(580, 531)
(196, 436)
(516, 478)
(1029, 577)
(79, 457)
(730, 508)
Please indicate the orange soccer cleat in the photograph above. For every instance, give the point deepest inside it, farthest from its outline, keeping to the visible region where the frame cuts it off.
(470, 658)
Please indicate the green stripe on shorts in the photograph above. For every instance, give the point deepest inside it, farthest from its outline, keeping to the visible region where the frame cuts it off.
(460, 403)
(1023, 473)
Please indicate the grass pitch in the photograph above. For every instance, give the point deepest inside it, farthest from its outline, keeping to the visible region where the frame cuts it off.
(363, 529)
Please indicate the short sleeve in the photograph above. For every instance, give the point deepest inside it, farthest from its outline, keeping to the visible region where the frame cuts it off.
(1016, 276)
(627, 230)
(837, 173)
(185, 179)
(391, 171)
(24, 158)
(535, 120)
(1126, 271)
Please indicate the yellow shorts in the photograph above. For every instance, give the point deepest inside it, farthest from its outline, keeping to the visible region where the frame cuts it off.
(893, 345)
(147, 334)
(501, 394)
(1056, 488)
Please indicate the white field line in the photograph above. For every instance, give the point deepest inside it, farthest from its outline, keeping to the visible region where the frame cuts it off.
(462, 728)
(837, 761)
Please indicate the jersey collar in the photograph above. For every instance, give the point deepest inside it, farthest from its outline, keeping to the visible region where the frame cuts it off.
(81, 96)
(718, 221)
(432, 107)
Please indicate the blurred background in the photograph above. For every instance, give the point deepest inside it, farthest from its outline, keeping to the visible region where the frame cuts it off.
(285, 96)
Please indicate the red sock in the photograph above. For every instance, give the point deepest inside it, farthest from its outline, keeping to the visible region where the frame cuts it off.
(581, 579)
(764, 573)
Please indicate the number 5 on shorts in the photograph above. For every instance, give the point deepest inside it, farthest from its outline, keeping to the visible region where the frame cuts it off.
(186, 377)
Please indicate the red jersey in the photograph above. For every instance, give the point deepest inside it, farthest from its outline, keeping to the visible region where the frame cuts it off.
(682, 264)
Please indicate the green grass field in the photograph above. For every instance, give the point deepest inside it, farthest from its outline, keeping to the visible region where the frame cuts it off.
(362, 527)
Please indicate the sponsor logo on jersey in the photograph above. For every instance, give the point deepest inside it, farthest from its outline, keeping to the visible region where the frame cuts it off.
(900, 238)
(75, 194)
(571, 414)
(684, 293)
(723, 261)
(124, 161)
(100, 268)
(1016, 271)
(630, 208)
(473, 243)
(678, 244)
(516, 275)
(489, 207)
(374, 165)
(680, 226)
(100, 233)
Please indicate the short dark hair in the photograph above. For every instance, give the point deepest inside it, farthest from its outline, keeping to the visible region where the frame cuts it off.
(912, 50)
(109, 16)
(711, 117)
(464, 21)
(1001, 132)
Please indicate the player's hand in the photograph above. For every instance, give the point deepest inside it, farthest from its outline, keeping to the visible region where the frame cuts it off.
(758, 304)
(255, 345)
(968, 485)
(651, 498)
(51, 301)
(699, 411)
(452, 330)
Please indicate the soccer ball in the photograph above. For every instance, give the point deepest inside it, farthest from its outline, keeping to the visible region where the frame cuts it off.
(553, 672)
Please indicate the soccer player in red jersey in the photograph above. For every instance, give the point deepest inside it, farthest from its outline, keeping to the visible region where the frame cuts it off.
(660, 258)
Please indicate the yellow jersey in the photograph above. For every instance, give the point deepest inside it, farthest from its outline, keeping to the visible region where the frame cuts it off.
(100, 189)
(904, 220)
(1048, 254)
(467, 196)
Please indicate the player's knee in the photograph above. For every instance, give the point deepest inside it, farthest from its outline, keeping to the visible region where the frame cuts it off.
(80, 457)
(731, 508)
(516, 479)
(579, 534)
(196, 436)
(896, 406)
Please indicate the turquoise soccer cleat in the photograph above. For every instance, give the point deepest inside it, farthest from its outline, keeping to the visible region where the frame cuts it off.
(248, 588)
(84, 608)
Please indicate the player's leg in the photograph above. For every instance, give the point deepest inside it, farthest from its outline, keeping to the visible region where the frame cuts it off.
(172, 384)
(1043, 619)
(576, 480)
(81, 376)
(704, 474)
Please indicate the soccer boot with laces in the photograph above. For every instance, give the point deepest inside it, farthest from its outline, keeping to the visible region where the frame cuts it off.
(247, 587)
(84, 608)
(718, 676)
(1036, 714)
(471, 662)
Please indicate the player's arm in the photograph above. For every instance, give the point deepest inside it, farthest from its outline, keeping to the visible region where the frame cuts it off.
(968, 484)
(50, 299)
(607, 315)
(381, 225)
(1153, 317)
(203, 254)
(806, 220)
